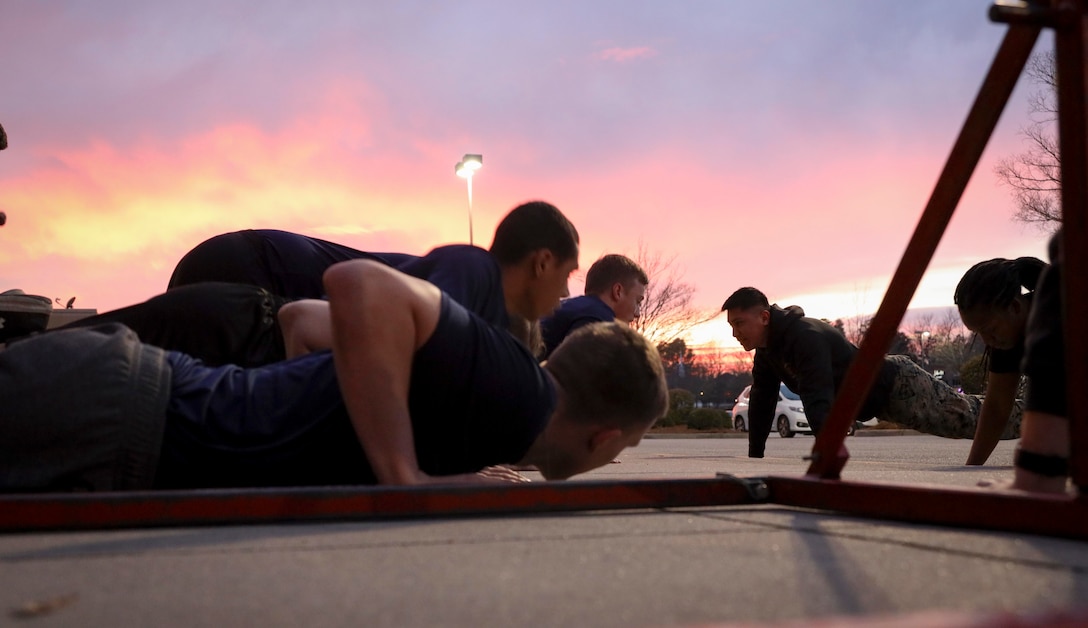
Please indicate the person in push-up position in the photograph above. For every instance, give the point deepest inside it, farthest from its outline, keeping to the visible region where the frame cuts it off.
(415, 390)
(994, 298)
(522, 277)
(1042, 456)
(812, 357)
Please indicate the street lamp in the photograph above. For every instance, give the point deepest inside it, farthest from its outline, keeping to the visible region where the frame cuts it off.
(3, 145)
(465, 168)
(923, 347)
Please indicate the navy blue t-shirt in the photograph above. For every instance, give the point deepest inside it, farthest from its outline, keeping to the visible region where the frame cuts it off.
(298, 263)
(572, 314)
(293, 265)
(469, 274)
(477, 398)
(286, 264)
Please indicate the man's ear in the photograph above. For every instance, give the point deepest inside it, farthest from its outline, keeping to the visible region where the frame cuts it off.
(765, 316)
(542, 260)
(603, 436)
(617, 291)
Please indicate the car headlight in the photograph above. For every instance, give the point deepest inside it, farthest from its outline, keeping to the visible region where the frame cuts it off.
(797, 408)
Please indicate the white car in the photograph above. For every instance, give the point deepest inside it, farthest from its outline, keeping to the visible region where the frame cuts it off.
(789, 418)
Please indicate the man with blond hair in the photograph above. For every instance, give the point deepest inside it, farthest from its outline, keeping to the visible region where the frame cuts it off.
(415, 390)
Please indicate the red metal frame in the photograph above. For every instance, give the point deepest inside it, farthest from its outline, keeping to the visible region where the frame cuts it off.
(19, 513)
(1071, 47)
(1065, 516)
(1061, 516)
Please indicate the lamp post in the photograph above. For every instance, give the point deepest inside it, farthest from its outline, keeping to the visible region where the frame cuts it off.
(465, 168)
(3, 145)
(923, 347)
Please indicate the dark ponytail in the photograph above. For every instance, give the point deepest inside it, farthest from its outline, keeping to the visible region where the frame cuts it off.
(996, 282)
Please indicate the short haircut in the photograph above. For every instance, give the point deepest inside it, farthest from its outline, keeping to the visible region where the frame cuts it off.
(530, 227)
(746, 298)
(612, 269)
(610, 374)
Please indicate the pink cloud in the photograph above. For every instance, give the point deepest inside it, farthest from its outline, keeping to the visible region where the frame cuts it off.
(622, 55)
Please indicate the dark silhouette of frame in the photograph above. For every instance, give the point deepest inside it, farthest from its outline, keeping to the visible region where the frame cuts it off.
(821, 488)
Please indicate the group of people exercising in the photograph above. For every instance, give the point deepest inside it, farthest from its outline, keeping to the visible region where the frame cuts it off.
(277, 359)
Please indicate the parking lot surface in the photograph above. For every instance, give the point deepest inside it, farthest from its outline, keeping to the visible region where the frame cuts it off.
(721, 566)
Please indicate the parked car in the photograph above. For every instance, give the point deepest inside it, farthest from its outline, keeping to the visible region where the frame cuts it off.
(789, 418)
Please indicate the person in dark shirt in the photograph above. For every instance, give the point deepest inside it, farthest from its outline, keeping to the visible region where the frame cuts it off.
(1042, 457)
(525, 274)
(521, 278)
(615, 288)
(415, 390)
(290, 265)
(286, 264)
(218, 323)
(812, 357)
(993, 298)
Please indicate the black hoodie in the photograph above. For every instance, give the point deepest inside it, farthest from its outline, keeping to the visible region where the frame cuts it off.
(811, 358)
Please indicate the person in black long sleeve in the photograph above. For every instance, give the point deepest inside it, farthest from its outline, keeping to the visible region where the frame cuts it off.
(812, 357)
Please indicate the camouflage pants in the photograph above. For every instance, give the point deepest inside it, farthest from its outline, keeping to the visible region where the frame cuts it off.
(921, 402)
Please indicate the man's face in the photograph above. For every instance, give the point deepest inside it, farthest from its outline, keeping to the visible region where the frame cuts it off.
(750, 326)
(628, 301)
(551, 284)
(573, 452)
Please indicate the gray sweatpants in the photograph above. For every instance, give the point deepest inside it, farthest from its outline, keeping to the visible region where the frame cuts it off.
(81, 409)
(921, 402)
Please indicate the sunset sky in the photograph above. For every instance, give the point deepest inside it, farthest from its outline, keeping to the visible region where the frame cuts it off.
(788, 145)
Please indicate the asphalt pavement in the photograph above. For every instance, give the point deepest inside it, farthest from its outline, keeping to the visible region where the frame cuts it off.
(751, 565)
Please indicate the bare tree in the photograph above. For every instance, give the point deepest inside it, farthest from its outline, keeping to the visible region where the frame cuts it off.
(715, 361)
(949, 326)
(854, 327)
(1034, 176)
(667, 311)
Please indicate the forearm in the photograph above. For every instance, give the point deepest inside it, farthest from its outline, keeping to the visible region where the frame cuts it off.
(993, 416)
(759, 428)
(306, 326)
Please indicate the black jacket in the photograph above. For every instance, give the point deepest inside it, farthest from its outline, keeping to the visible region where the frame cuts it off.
(811, 358)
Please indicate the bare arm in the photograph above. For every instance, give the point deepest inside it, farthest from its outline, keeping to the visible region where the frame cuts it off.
(306, 326)
(379, 318)
(994, 415)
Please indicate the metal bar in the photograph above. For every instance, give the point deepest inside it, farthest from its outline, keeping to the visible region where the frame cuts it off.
(1005, 511)
(1071, 35)
(47, 512)
(980, 509)
(1035, 12)
(829, 455)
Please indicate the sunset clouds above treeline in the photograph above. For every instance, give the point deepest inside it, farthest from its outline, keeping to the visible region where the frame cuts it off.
(788, 145)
